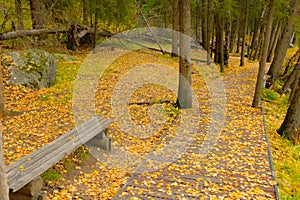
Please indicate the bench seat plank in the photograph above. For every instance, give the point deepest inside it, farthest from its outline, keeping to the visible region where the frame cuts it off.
(26, 169)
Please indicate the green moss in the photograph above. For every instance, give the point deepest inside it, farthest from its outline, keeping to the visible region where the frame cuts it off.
(51, 175)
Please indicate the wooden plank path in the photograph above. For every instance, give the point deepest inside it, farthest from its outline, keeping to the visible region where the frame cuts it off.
(238, 166)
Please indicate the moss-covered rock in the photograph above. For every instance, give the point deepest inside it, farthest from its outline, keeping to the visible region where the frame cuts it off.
(35, 69)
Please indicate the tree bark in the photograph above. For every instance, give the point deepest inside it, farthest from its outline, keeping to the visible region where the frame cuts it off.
(227, 41)
(257, 33)
(19, 11)
(242, 61)
(36, 32)
(275, 41)
(291, 62)
(3, 184)
(185, 80)
(22, 33)
(2, 108)
(291, 77)
(205, 40)
(238, 42)
(219, 55)
(175, 28)
(258, 49)
(263, 60)
(283, 44)
(37, 14)
(295, 85)
(291, 124)
(233, 34)
(85, 12)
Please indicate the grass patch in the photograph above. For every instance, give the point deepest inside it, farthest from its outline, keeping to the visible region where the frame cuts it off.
(51, 175)
(286, 156)
(269, 95)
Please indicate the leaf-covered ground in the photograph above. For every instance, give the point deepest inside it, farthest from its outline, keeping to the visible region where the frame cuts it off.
(237, 167)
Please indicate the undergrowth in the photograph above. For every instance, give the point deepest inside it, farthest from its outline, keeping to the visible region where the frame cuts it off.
(286, 156)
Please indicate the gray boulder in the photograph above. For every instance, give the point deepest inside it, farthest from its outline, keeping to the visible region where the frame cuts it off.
(35, 69)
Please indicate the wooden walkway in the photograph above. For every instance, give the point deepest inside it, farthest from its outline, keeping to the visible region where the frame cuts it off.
(238, 166)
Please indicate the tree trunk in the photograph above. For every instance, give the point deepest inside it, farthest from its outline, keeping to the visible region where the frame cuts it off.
(2, 108)
(295, 85)
(175, 28)
(219, 56)
(227, 41)
(238, 42)
(291, 62)
(19, 11)
(37, 14)
(210, 25)
(204, 29)
(233, 34)
(283, 44)
(291, 77)
(185, 80)
(291, 124)
(85, 12)
(257, 35)
(3, 183)
(258, 49)
(275, 41)
(263, 60)
(244, 34)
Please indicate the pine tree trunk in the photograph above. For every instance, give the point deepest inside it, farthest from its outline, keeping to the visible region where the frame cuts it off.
(277, 33)
(19, 11)
(175, 28)
(242, 61)
(263, 60)
(227, 41)
(37, 14)
(184, 89)
(291, 61)
(283, 44)
(238, 42)
(291, 124)
(2, 108)
(219, 56)
(85, 12)
(233, 35)
(258, 49)
(255, 44)
(210, 27)
(3, 184)
(291, 77)
(295, 85)
(205, 25)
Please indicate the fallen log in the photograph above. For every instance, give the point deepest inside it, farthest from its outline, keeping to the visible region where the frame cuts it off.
(37, 32)
(23, 33)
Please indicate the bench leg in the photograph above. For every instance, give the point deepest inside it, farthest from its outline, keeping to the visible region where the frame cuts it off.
(101, 141)
(31, 191)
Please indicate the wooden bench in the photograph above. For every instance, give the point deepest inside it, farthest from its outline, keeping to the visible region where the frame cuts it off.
(24, 175)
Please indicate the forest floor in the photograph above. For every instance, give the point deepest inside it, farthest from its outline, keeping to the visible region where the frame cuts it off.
(230, 164)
